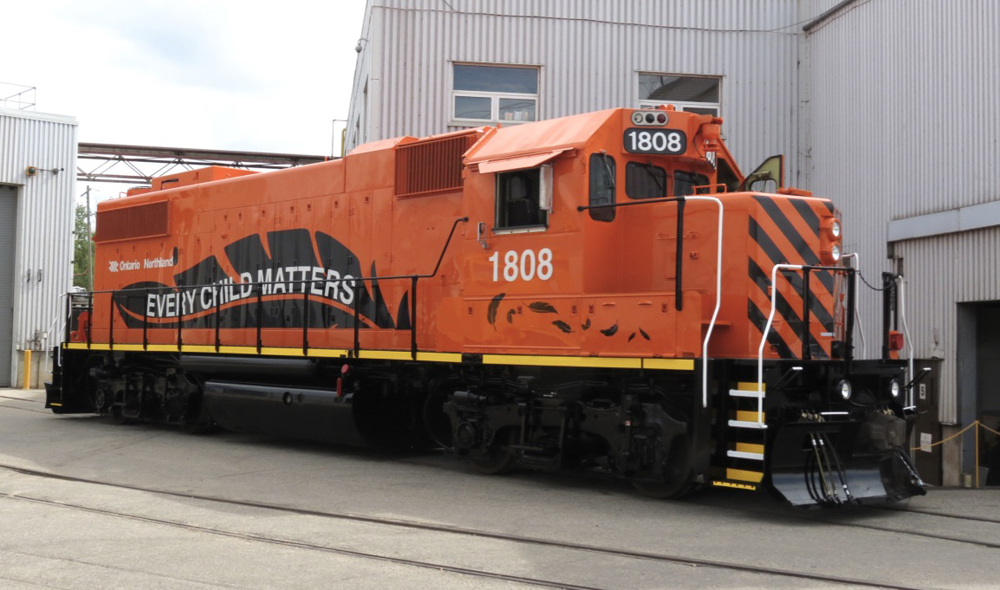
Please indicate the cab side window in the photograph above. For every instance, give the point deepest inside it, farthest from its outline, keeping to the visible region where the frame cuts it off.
(602, 186)
(645, 181)
(519, 199)
(684, 183)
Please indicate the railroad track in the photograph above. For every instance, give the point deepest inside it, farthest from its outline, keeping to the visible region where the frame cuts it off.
(840, 516)
(437, 528)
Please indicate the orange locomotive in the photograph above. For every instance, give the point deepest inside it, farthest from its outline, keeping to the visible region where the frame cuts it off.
(599, 290)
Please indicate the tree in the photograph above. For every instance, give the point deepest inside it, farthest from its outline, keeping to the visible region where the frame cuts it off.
(81, 242)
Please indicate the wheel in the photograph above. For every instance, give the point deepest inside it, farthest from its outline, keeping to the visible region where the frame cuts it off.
(664, 490)
(118, 417)
(678, 476)
(500, 458)
(198, 421)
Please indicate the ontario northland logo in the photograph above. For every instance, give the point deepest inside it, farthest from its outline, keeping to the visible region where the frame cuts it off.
(272, 285)
(122, 265)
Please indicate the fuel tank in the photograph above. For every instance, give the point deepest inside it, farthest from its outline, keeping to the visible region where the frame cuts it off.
(307, 413)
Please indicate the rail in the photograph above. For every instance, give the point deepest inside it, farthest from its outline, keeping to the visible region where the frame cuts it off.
(256, 290)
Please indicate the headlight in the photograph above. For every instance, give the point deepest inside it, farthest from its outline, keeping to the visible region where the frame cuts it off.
(835, 252)
(835, 228)
(844, 388)
(895, 388)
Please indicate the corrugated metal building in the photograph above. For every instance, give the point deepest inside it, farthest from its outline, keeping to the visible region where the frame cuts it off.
(904, 134)
(36, 239)
(884, 106)
(586, 55)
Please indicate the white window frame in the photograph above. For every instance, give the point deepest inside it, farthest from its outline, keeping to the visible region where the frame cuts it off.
(494, 97)
(680, 105)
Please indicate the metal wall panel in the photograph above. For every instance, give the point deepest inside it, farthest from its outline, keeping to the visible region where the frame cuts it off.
(589, 53)
(43, 270)
(904, 122)
(8, 233)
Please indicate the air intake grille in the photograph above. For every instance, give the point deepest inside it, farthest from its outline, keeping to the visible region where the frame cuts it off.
(432, 165)
(141, 221)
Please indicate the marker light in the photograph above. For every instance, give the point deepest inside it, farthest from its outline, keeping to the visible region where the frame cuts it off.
(895, 388)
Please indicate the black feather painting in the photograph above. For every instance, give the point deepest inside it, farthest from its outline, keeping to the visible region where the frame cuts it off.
(644, 334)
(491, 312)
(563, 326)
(510, 316)
(542, 307)
(586, 325)
(610, 331)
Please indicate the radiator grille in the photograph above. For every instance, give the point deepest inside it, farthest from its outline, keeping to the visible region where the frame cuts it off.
(432, 165)
(141, 221)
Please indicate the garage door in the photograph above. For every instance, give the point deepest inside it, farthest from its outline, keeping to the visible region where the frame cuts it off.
(8, 225)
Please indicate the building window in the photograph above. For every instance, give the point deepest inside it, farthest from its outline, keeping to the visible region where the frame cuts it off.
(523, 198)
(505, 94)
(695, 94)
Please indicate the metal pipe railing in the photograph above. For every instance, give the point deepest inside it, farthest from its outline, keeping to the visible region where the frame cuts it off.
(116, 295)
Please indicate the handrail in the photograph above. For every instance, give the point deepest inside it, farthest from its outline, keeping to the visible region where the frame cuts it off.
(678, 271)
(763, 339)
(770, 321)
(857, 313)
(718, 300)
(257, 287)
(910, 404)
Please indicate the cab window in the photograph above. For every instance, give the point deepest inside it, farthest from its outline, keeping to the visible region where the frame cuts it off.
(645, 181)
(520, 198)
(602, 186)
(684, 183)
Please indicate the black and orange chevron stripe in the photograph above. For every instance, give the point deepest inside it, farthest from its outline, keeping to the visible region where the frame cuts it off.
(787, 231)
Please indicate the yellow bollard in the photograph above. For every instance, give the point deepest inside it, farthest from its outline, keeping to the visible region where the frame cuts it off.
(27, 369)
(977, 454)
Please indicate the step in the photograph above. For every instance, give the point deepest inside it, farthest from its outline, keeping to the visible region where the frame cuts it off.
(745, 424)
(745, 455)
(748, 389)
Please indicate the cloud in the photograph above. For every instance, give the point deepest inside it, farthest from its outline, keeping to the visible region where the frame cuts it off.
(221, 74)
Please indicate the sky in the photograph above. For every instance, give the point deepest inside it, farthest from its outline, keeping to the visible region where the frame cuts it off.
(216, 74)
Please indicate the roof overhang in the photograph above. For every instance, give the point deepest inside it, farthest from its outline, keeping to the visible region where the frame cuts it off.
(519, 162)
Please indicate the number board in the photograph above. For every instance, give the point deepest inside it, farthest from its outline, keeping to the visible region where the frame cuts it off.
(655, 141)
